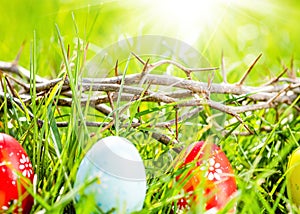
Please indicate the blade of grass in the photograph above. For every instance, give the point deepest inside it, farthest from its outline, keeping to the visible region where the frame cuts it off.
(118, 107)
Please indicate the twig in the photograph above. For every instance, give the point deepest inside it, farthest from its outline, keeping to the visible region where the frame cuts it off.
(19, 70)
(248, 70)
(188, 71)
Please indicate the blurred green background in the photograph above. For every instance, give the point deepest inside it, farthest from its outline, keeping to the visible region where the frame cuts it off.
(239, 29)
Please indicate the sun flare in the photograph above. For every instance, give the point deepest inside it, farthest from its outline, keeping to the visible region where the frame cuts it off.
(190, 17)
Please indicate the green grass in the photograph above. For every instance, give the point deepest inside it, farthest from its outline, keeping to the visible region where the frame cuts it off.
(53, 32)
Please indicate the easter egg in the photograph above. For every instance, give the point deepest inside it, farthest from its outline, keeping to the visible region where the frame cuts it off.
(15, 173)
(293, 177)
(210, 168)
(121, 175)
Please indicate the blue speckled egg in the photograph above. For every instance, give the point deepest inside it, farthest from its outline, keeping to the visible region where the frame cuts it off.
(121, 175)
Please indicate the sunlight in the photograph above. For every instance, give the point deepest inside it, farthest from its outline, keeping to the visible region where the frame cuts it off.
(186, 11)
(190, 17)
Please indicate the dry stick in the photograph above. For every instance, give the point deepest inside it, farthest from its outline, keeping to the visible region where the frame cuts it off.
(171, 62)
(226, 109)
(262, 93)
(187, 84)
(181, 118)
(181, 67)
(19, 70)
(102, 108)
(249, 70)
(166, 140)
(111, 123)
(160, 97)
(225, 132)
(11, 88)
(19, 82)
(215, 88)
(276, 78)
(195, 86)
(107, 111)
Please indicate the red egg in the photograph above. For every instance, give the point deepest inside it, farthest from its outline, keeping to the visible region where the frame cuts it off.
(212, 172)
(15, 173)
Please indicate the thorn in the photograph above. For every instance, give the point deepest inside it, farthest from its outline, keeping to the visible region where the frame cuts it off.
(176, 123)
(244, 124)
(111, 123)
(111, 102)
(148, 86)
(188, 74)
(138, 58)
(210, 80)
(116, 68)
(145, 66)
(276, 78)
(16, 61)
(249, 70)
(278, 94)
(68, 52)
(223, 68)
(11, 88)
(209, 83)
(85, 52)
(292, 73)
(84, 56)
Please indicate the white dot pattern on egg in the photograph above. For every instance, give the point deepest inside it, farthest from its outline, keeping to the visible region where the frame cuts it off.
(14, 163)
(212, 169)
(121, 175)
(25, 166)
(19, 159)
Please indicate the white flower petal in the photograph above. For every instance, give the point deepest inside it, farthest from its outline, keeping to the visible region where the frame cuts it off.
(219, 171)
(211, 161)
(217, 176)
(210, 176)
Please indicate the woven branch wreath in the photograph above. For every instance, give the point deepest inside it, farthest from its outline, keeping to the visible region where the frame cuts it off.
(101, 94)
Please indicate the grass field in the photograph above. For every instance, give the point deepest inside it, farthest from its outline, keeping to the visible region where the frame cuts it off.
(60, 39)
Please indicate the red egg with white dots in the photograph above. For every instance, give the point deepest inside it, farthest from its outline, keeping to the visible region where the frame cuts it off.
(210, 170)
(16, 173)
